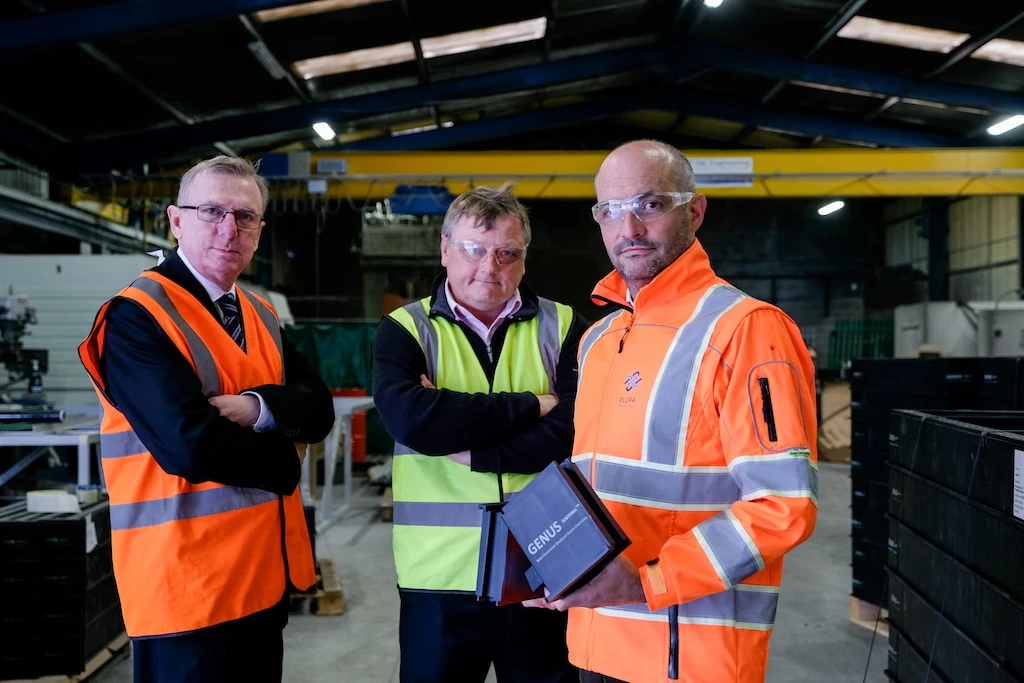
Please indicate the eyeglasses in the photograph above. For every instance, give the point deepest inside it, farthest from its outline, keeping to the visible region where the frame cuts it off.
(211, 213)
(644, 206)
(504, 255)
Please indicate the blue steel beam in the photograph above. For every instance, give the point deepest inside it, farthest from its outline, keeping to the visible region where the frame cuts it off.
(151, 145)
(787, 69)
(132, 16)
(499, 126)
(689, 104)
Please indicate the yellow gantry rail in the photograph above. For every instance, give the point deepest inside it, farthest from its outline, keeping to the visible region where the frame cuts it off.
(569, 175)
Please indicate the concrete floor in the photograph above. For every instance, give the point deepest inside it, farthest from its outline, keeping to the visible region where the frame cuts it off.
(813, 639)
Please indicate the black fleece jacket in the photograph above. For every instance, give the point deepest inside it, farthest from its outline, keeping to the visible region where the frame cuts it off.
(503, 431)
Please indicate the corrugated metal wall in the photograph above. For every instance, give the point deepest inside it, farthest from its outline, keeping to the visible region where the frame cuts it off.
(904, 245)
(984, 250)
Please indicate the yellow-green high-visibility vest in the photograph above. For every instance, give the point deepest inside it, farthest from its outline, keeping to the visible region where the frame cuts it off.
(436, 535)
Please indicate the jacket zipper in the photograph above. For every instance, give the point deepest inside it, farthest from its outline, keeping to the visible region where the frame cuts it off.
(623, 340)
(673, 642)
(766, 408)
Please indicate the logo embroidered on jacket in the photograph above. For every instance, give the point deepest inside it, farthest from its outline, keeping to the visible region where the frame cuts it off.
(632, 381)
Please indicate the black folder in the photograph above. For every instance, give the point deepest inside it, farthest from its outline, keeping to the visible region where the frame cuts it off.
(567, 533)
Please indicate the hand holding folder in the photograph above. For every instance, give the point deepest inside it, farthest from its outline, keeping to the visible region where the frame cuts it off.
(563, 537)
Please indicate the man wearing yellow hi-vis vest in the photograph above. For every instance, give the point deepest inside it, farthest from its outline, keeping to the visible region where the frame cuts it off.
(477, 384)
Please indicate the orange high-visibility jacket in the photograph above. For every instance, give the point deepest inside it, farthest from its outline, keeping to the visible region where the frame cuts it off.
(696, 425)
(188, 556)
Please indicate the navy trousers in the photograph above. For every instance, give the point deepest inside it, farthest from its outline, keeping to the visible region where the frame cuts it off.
(454, 638)
(248, 649)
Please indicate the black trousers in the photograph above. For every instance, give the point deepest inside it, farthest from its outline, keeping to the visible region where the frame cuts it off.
(454, 638)
(591, 677)
(249, 649)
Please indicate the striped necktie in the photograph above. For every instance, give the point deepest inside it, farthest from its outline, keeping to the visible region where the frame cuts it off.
(232, 322)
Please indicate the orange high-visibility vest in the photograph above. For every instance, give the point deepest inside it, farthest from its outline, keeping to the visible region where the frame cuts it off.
(695, 424)
(188, 556)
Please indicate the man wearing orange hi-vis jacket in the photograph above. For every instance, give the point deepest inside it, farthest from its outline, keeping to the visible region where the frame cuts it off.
(203, 401)
(695, 424)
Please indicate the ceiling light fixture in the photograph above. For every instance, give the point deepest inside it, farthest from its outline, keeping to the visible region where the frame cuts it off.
(1006, 125)
(831, 207)
(713, 3)
(324, 130)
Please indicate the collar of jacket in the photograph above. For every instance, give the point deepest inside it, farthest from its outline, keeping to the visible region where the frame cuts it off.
(439, 302)
(689, 273)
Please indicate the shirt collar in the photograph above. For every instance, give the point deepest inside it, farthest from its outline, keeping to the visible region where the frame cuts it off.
(462, 313)
(213, 290)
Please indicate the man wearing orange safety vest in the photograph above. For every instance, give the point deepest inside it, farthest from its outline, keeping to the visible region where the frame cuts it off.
(203, 402)
(695, 423)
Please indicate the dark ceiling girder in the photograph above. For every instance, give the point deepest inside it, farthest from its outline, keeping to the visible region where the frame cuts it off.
(966, 49)
(681, 103)
(131, 16)
(787, 69)
(149, 146)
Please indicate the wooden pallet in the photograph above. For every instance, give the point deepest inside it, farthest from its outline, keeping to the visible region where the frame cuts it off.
(387, 506)
(117, 648)
(865, 614)
(327, 599)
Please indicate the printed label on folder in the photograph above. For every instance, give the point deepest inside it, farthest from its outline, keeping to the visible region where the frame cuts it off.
(1018, 484)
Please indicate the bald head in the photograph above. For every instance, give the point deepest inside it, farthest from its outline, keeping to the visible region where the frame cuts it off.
(652, 156)
(640, 249)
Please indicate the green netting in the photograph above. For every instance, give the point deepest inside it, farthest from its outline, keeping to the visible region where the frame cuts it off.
(341, 352)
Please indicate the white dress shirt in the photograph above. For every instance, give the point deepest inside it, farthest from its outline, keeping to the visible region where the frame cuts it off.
(265, 422)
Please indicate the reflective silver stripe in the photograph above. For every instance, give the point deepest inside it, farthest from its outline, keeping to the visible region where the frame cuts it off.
(790, 475)
(427, 335)
(729, 548)
(583, 463)
(590, 337)
(121, 444)
(206, 368)
(437, 514)
(668, 410)
(745, 607)
(269, 320)
(185, 506)
(692, 488)
(550, 340)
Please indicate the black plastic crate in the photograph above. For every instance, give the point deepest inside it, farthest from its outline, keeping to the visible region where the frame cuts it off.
(870, 497)
(990, 543)
(954, 655)
(869, 581)
(997, 378)
(907, 664)
(58, 600)
(869, 465)
(899, 375)
(986, 614)
(942, 447)
(871, 527)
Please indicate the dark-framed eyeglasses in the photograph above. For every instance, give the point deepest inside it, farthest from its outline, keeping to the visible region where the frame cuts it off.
(245, 219)
(610, 214)
(504, 255)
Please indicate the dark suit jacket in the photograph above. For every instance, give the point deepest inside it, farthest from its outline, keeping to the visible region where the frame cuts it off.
(154, 385)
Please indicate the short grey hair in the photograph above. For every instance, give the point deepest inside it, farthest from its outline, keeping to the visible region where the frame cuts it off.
(235, 166)
(682, 175)
(488, 204)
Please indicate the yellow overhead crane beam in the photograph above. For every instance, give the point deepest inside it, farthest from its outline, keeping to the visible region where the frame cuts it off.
(569, 175)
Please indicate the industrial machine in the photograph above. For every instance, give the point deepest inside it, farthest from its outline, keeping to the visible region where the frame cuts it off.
(27, 404)
(401, 247)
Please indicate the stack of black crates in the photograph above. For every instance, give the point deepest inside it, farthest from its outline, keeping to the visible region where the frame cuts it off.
(58, 601)
(879, 386)
(956, 547)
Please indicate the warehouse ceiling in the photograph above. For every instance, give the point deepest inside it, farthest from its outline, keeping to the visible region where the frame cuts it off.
(92, 86)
